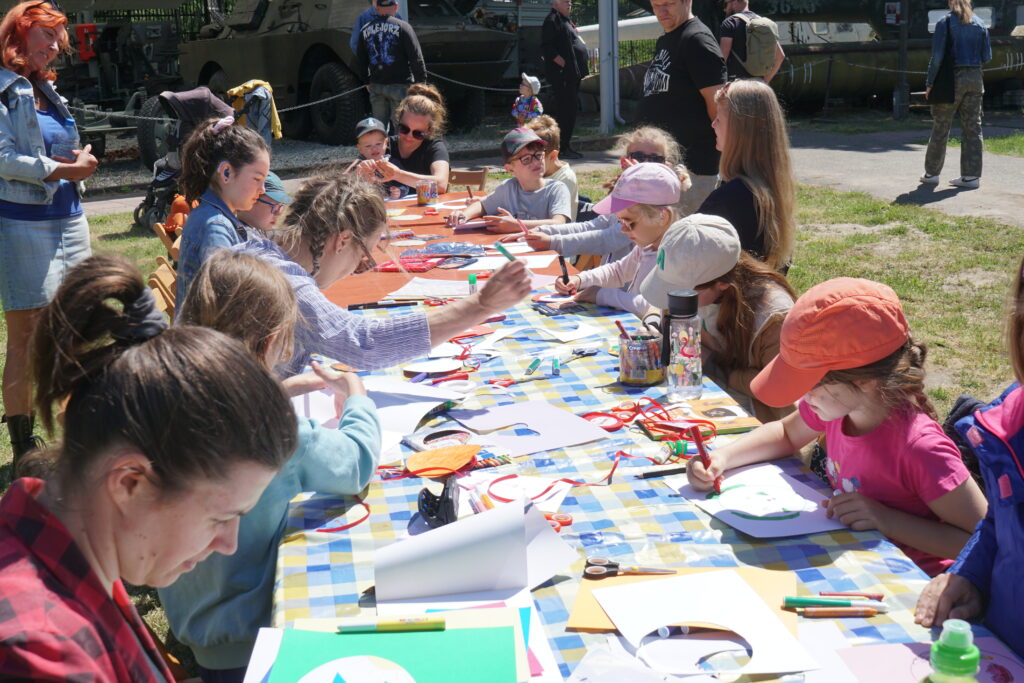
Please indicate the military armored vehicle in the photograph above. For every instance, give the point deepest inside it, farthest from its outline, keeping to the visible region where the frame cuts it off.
(302, 49)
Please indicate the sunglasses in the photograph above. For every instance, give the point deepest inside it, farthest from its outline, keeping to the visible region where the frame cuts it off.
(406, 130)
(528, 159)
(644, 157)
(275, 207)
(367, 262)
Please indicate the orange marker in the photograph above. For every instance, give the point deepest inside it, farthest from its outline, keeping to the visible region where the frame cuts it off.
(833, 612)
(486, 500)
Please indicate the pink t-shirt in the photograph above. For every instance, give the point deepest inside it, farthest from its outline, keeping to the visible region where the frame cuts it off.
(904, 463)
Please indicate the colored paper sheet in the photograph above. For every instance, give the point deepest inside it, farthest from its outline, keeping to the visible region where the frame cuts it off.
(542, 426)
(478, 654)
(495, 262)
(772, 586)
(908, 662)
(722, 598)
(765, 502)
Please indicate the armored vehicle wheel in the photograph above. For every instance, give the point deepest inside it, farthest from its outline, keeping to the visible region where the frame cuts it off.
(297, 125)
(151, 136)
(469, 111)
(335, 121)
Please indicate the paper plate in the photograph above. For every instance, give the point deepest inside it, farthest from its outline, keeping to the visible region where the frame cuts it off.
(403, 218)
(553, 298)
(406, 243)
(438, 366)
(454, 204)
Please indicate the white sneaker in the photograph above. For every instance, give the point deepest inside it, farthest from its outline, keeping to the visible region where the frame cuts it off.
(930, 179)
(967, 182)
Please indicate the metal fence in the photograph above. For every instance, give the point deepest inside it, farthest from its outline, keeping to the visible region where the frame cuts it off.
(188, 18)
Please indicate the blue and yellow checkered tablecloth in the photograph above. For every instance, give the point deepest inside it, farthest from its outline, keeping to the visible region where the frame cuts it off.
(643, 521)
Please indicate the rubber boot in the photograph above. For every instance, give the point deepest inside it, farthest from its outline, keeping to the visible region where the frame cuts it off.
(22, 438)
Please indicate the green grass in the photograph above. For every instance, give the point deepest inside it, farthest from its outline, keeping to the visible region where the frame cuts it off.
(1010, 145)
(952, 274)
(861, 121)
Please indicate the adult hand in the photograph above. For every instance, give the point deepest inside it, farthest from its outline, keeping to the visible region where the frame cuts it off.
(948, 596)
(384, 169)
(703, 478)
(567, 288)
(365, 169)
(538, 241)
(857, 511)
(504, 222)
(81, 167)
(587, 296)
(927, 92)
(559, 61)
(509, 285)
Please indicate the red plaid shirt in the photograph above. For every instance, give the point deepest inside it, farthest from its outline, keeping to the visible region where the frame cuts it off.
(57, 622)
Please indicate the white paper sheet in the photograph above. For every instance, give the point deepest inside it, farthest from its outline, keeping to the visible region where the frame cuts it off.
(518, 488)
(581, 331)
(554, 427)
(514, 248)
(264, 653)
(495, 262)
(426, 288)
(824, 638)
(474, 224)
(720, 597)
(504, 549)
(612, 663)
(765, 502)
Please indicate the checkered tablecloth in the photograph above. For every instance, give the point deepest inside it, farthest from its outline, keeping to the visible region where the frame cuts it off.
(641, 521)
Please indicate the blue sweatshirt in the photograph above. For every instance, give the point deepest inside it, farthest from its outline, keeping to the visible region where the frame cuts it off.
(218, 607)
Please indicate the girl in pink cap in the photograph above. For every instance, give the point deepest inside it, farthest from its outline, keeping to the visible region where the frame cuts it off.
(846, 350)
(643, 199)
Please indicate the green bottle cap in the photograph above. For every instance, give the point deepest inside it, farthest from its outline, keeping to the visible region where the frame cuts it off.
(954, 652)
(472, 278)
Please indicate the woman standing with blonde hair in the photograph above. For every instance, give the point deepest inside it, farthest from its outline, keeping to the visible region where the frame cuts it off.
(758, 194)
(967, 39)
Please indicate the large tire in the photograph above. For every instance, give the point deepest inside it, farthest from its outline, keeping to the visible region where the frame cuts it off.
(219, 85)
(335, 121)
(297, 125)
(469, 109)
(151, 136)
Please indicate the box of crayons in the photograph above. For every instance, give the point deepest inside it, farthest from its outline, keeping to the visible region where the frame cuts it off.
(727, 416)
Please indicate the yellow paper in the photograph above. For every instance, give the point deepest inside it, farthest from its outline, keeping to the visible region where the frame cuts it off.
(395, 212)
(484, 617)
(772, 586)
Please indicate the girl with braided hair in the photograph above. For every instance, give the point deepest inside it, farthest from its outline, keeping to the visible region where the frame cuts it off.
(169, 437)
(333, 228)
(846, 349)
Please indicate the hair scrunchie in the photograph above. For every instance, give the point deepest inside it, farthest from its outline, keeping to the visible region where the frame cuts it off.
(142, 320)
(223, 123)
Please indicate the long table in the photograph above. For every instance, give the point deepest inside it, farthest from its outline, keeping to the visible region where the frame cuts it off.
(638, 521)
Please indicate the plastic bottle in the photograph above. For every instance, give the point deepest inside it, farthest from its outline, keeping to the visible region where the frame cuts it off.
(955, 657)
(671, 451)
(683, 372)
(65, 141)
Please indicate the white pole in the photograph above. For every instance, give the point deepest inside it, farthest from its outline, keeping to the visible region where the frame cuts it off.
(403, 9)
(608, 20)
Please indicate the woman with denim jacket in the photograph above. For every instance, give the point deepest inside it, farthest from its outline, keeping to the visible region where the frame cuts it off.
(43, 231)
(971, 50)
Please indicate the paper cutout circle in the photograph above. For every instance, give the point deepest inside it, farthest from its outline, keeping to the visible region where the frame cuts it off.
(435, 366)
(444, 460)
(362, 668)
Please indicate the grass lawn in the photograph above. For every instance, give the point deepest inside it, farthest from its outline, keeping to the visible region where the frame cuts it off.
(1010, 145)
(951, 273)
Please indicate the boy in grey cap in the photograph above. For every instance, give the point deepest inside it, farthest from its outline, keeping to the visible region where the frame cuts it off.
(264, 213)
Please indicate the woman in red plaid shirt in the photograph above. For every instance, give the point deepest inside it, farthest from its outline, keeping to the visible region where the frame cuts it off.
(169, 437)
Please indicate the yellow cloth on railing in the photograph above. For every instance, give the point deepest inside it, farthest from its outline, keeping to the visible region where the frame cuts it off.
(237, 95)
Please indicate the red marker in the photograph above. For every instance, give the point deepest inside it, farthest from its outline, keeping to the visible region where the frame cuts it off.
(705, 459)
(622, 330)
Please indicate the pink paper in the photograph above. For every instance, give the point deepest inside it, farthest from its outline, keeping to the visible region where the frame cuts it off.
(908, 662)
(535, 668)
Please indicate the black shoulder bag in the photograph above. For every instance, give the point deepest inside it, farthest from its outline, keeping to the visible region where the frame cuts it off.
(944, 86)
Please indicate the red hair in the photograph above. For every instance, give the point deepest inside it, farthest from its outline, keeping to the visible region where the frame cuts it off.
(14, 36)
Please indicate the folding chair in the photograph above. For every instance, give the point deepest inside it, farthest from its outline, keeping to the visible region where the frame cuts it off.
(477, 179)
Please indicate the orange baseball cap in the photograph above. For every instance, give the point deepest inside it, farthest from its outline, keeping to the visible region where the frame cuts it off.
(837, 325)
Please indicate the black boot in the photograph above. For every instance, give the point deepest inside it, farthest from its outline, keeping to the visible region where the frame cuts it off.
(22, 438)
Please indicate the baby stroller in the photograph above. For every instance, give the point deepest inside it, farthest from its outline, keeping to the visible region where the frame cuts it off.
(188, 109)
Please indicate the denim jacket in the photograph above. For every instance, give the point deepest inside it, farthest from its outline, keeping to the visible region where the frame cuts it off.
(23, 160)
(971, 45)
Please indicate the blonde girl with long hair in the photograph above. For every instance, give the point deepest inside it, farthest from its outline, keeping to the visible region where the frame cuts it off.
(758, 194)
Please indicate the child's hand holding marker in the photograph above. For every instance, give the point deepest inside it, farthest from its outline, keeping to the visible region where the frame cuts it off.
(573, 285)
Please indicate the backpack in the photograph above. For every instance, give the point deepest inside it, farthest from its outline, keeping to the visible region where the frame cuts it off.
(762, 41)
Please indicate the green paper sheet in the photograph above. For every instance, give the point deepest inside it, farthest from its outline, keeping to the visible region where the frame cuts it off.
(484, 655)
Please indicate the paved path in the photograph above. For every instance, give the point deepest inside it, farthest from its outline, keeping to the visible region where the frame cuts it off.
(884, 165)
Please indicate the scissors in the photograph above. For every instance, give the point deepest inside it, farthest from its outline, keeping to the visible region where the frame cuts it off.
(600, 567)
(580, 353)
(437, 302)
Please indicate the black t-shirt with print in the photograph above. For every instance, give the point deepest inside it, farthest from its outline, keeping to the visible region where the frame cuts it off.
(735, 28)
(685, 60)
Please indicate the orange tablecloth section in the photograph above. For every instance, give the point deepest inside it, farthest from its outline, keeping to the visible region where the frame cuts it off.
(372, 286)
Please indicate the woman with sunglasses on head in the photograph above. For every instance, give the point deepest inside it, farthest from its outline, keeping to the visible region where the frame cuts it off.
(418, 151)
(758, 194)
(43, 230)
(332, 230)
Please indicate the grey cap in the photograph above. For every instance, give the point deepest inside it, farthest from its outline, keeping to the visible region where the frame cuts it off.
(274, 188)
(368, 125)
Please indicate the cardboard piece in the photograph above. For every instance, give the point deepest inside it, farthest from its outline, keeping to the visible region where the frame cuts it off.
(908, 662)
(553, 427)
(587, 614)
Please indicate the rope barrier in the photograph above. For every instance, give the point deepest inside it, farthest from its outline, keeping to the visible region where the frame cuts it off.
(472, 85)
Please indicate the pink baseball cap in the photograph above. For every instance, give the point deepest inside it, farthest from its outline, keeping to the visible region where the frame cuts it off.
(646, 183)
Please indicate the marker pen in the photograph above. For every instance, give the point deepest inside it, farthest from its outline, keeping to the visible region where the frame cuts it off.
(472, 283)
(818, 601)
(503, 251)
(533, 366)
(392, 625)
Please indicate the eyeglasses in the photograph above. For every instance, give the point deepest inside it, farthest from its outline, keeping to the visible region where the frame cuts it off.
(275, 207)
(367, 262)
(406, 130)
(528, 159)
(644, 157)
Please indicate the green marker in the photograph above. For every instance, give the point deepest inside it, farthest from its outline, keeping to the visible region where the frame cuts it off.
(533, 366)
(503, 251)
(472, 283)
(833, 602)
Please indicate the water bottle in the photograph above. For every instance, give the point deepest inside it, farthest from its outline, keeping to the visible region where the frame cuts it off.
(65, 141)
(682, 339)
(955, 658)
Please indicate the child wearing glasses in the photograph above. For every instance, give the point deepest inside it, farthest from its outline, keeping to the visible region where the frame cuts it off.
(264, 213)
(547, 130)
(527, 198)
(224, 166)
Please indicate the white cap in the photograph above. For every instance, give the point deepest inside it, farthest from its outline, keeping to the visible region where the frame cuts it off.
(533, 82)
(694, 250)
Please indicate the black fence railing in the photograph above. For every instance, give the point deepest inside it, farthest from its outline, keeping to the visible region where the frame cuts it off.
(188, 18)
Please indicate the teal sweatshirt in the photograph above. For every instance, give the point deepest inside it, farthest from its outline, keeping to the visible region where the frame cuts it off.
(218, 607)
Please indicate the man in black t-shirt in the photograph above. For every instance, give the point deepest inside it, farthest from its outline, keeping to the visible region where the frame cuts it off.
(732, 39)
(565, 64)
(679, 92)
(391, 59)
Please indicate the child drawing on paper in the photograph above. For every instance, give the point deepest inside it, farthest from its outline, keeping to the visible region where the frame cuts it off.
(763, 504)
(845, 347)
